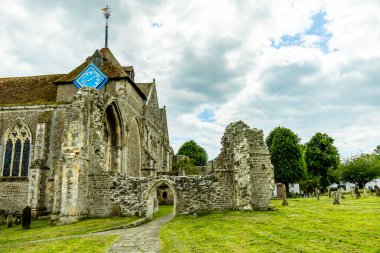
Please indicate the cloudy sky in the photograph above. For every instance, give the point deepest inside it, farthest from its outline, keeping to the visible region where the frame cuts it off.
(312, 66)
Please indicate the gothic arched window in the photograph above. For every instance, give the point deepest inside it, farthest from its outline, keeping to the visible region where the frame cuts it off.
(17, 151)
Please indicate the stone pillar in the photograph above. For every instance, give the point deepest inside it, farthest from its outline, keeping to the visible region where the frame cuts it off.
(37, 187)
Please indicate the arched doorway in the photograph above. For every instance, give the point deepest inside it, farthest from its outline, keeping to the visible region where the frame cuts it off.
(161, 195)
(112, 138)
(134, 150)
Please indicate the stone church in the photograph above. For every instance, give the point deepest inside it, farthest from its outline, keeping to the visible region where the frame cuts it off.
(63, 136)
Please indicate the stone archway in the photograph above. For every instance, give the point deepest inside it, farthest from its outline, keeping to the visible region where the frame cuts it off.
(152, 203)
(134, 150)
(112, 138)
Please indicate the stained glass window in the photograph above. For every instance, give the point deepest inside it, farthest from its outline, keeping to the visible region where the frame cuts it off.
(8, 158)
(16, 158)
(25, 158)
(17, 151)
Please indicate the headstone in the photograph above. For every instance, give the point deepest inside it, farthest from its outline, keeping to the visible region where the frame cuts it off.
(364, 192)
(280, 190)
(357, 193)
(377, 190)
(336, 198)
(17, 220)
(3, 221)
(284, 201)
(329, 192)
(10, 221)
(352, 192)
(26, 217)
(341, 194)
(317, 193)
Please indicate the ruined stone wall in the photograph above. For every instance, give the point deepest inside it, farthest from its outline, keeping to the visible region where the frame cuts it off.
(246, 156)
(13, 194)
(191, 194)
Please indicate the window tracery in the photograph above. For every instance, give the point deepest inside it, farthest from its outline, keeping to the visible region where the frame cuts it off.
(17, 151)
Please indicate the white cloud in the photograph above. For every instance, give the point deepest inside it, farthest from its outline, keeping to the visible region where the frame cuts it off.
(222, 56)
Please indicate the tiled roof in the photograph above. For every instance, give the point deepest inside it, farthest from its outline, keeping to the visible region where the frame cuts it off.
(145, 88)
(28, 90)
(110, 67)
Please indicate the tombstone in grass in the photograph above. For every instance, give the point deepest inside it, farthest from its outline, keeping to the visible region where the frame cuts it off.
(364, 192)
(2, 217)
(17, 220)
(317, 193)
(26, 217)
(377, 190)
(329, 192)
(337, 196)
(352, 191)
(10, 222)
(357, 193)
(284, 201)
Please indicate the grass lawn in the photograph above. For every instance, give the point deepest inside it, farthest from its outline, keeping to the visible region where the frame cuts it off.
(306, 225)
(18, 240)
(163, 210)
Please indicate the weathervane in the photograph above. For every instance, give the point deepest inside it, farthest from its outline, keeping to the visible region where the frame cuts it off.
(107, 15)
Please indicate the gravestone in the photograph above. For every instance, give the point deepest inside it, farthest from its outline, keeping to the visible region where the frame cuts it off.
(17, 220)
(337, 196)
(357, 193)
(317, 193)
(10, 222)
(352, 192)
(280, 190)
(284, 201)
(377, 190)
(26, 217)
(364, 192)
(329, 192)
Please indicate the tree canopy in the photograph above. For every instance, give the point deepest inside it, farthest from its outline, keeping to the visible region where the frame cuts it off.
(196, 153)
(320, 156)
(286, 156)
(360, 169)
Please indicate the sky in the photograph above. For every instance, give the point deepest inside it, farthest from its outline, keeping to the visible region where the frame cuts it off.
(311, 66)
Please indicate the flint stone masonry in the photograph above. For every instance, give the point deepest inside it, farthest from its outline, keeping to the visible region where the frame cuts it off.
(241, 178)
(191, 194)
(91, 151)
(246, 156)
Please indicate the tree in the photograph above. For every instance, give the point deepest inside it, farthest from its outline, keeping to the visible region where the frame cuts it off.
(320, 156)
(286, 156)
(376, 151)
(360, 169)
(195, 152)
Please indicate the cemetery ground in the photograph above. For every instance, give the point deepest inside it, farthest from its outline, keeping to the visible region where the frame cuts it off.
(306, 225)
(43, 237)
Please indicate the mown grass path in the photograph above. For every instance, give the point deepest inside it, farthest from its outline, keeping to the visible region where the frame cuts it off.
(77, 237)
(306, 225)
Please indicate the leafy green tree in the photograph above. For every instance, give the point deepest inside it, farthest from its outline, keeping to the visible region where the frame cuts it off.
(195, 152)
(286, 156)
(360, 169)
(321, 156)
(376, 151)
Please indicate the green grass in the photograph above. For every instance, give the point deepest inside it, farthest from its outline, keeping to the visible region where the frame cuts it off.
(306, 225)
(16, 239)
(163, 210)
(86, 244)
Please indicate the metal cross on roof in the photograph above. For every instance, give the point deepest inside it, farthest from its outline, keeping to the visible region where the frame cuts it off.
(107, 15)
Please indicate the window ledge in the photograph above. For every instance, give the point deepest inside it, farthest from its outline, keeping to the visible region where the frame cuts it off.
(14, 179)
